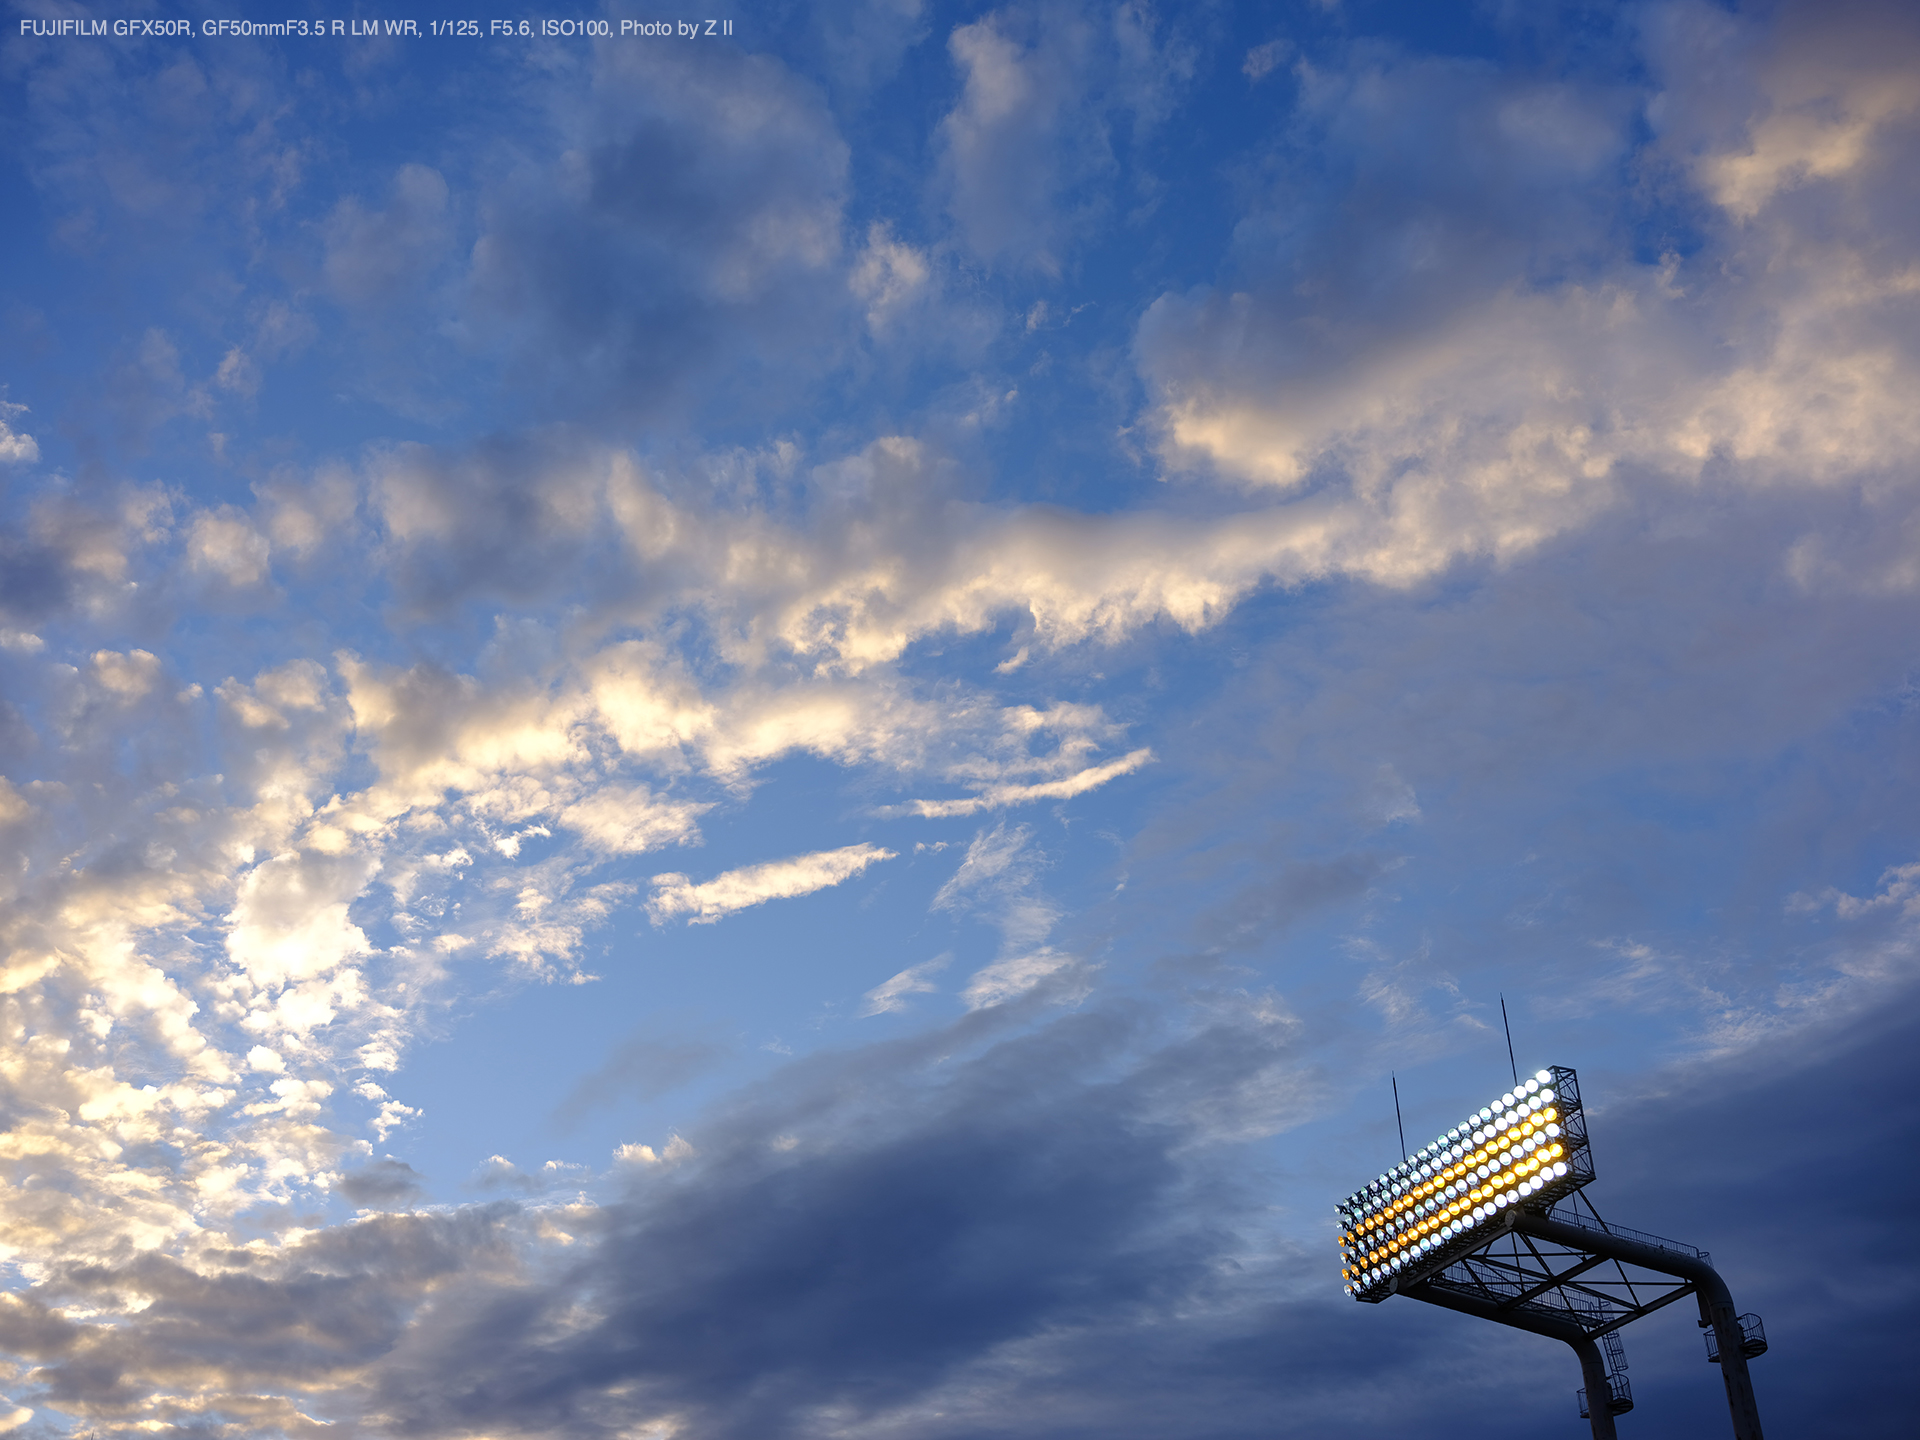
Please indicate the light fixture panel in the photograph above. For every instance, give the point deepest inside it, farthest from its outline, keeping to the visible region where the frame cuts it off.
(1524, 1150)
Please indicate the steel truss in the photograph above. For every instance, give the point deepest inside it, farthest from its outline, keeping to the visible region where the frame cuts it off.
(1569, 1283)
(1565, 1273)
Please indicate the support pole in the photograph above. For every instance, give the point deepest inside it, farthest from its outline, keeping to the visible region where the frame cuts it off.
(1593, 1369)
(1716, 1301)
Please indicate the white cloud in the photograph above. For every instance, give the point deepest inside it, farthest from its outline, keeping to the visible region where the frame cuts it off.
(125, 677)
(290, 918)
(889, 277)
(755, 884)
(1830, 90)
(238, 373)
(999, 880)
(224, 543)
(629, 821)
(13, 805)
(1899, 891)
(996, 796)
(890, 996)
(1480, 416)
(16, 446)
(1014, 975)
(997, 859)
(672, 1153)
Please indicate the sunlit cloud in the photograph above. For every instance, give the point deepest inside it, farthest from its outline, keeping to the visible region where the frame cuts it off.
(1269, 542)
(752, 885)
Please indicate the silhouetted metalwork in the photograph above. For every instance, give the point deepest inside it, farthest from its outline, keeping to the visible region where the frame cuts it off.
(1519, 1272)
(1565, 1273)
(1546, 1262)
(1753, 1339)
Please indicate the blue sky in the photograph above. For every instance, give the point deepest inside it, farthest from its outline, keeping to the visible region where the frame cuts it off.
(779, 733)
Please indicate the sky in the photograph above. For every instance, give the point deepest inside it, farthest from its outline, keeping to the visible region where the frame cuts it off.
(782, 723)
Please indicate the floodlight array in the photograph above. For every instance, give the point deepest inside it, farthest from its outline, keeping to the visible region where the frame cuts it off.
(1527, 1148)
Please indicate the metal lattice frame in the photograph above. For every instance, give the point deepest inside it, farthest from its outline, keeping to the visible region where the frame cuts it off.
(1567, 1284)
(1576, 1279)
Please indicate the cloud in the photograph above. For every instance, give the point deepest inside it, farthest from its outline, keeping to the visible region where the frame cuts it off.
(983, 1225)
(1818, 107)
(998, 881)
(33, 580)
(377, 257)
(755, 884)
(1025, 154)
(1004, 187)
(888, 278)
(383, 1184)
(1279, 899)
(646, 1065)
(1016, 974)
(224, 543)
(237, 1345)
(691, 216)
(672, 1153)
(987, 863)
(290, 918)
(862, 43)
(845, 598)
(956, 1218)
(16, 446)
(1262, 60)
(1899, 890)
(1476, 369)
(890, 996)
(1634, 350)
(996, 796)
(628, 822)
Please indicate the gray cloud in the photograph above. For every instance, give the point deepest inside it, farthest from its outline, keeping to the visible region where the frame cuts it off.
(907, 1227)
(384, 1183)
(645, 1065)
(861, 44)
(212, 1336)
(1006, 1224)
(1788, 1165)
(695, 213)
(377, 257)
(33, 582)
(1026, 160)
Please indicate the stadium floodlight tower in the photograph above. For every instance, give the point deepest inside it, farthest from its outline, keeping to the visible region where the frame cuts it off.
(1487, 1221)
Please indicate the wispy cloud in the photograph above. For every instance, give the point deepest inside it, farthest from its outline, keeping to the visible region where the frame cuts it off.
(998, 881)
(704, 903)
(890, 996)
(996, 797)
